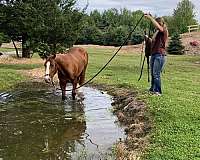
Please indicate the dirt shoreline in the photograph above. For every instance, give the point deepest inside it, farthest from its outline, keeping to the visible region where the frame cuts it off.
(132, 115)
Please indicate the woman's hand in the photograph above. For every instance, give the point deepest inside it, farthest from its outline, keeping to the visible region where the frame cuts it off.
(148, 15)
(155, 23)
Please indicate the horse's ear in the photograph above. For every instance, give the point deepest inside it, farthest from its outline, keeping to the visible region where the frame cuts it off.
(45, 56)
(145, 32)
(54, 56)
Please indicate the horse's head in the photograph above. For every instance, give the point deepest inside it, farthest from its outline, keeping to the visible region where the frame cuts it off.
(50, 68)
(148, 45)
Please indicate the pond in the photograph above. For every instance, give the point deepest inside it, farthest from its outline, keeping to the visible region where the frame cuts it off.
(35, 124)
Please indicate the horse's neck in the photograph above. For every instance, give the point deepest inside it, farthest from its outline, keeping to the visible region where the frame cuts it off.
(148, 47)
(154, 35)
(59, 67)
(148, 42)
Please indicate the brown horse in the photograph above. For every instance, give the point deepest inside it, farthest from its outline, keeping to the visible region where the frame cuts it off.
(71, 68)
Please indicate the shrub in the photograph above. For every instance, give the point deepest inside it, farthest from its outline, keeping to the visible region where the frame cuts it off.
(115, 36)
(175, 45)
(90, 35)
(137, 38)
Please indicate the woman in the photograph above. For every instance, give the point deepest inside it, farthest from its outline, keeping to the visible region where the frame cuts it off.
(158, 54)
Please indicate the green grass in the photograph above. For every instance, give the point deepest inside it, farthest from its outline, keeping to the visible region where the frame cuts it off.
(6, 49)
(19, 66)
(9, 78)
(176, 114)
(9, 75)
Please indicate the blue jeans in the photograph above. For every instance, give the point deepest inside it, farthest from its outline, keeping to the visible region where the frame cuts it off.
(156, 63)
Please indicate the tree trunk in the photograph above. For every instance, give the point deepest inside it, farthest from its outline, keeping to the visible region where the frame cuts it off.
(26, 53)
(25, 49)
(16, 49)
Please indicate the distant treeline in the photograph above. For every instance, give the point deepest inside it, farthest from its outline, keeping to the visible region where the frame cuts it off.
(112, 26)
(49, 27)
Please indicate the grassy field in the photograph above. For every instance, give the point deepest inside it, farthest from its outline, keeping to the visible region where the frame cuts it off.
(10, 72)
(6, 49)
(176, 114)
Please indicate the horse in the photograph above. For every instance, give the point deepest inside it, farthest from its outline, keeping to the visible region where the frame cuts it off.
(147, 50)
(148, 46)
(70, 67)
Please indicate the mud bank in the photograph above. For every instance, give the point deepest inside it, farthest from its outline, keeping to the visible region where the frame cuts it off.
(132, 114)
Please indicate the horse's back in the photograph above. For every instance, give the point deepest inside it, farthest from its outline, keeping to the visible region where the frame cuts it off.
(74, 62)
(78, 52)
(74, 54)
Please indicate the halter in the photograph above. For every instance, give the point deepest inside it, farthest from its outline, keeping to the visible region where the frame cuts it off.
(47, 75)
(52, 82)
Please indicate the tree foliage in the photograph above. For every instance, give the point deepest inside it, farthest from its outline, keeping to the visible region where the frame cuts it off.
(3, 38)
(175, 45)
(112, 27)
(108, 27)
(50, 26)
(183, 16)
(38, 23)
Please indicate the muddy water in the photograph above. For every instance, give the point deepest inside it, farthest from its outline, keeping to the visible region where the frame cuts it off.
(36, 125)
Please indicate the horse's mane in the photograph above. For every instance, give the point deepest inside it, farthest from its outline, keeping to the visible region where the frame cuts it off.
(148, 46)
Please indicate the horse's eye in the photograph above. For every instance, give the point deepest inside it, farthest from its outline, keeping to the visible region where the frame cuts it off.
(51, 65)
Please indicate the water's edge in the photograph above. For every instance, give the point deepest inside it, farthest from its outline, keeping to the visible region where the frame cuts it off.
(34, 122)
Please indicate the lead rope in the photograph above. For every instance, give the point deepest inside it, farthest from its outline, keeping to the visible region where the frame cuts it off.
(129, 35)
(142, 61)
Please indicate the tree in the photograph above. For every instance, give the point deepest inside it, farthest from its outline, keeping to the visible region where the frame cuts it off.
(112, 27)
(90, 35)
(137, 38)
(115, 36)
(110, 17)
(183, 16)
(3, 38)
(54, 24)
(17, 22)
(95, 18)
(60, 30)
(175, 45)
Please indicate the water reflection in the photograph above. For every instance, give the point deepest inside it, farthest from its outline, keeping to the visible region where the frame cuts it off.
(35, 124)
(32, 128)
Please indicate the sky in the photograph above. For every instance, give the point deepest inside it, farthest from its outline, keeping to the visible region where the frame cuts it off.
(155, 7)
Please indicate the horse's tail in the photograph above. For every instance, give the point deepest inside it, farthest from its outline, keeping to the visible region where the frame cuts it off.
(82, 76)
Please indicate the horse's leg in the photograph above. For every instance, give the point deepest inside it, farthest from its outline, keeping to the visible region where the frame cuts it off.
(74, 88)
(63, 88)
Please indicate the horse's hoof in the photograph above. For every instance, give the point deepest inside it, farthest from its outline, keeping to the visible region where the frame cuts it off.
(63, 98)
